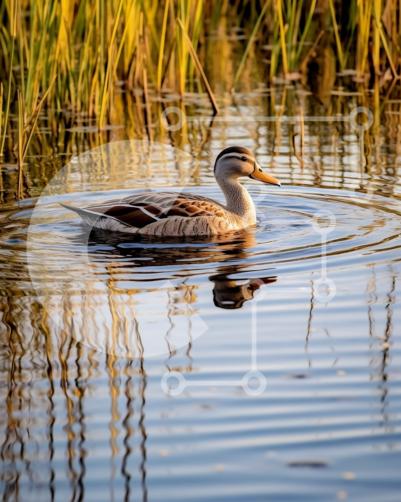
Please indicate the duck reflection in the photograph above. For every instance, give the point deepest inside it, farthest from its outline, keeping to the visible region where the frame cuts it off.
(232, 294)
(230, 254)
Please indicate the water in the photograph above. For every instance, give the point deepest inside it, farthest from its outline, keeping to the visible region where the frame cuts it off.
(263, 366)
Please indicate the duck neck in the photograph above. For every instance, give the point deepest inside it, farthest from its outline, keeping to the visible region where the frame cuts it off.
(238, 200)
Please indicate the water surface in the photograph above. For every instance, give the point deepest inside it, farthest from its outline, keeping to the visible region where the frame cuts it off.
(125, 362)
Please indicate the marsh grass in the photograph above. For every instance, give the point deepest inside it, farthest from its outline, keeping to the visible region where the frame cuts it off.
(73, 56)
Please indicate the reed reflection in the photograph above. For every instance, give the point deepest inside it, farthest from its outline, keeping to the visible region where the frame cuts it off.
(380, 345)
(45, 436)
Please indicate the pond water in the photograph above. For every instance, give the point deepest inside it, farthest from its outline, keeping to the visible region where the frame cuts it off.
(261, 366)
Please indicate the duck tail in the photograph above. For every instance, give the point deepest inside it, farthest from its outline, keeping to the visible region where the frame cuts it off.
(100, 220)
(88, 216)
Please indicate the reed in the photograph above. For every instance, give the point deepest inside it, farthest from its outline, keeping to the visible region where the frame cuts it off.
(81, 53)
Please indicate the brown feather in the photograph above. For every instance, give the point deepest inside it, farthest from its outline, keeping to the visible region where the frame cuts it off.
(143, 209)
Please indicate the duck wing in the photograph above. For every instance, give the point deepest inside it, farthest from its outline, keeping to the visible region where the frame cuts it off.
(143, 209)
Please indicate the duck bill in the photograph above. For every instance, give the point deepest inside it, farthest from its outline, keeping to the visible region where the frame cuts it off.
(264, 177)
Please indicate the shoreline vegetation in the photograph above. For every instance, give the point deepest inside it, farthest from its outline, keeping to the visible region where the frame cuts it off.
(73, 58)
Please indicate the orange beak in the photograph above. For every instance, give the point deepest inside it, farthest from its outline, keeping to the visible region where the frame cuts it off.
(259, 175)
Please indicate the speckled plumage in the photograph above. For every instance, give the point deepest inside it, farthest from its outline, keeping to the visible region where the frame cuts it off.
(172, 214)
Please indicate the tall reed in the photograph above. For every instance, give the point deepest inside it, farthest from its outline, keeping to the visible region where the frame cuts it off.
(80, 53)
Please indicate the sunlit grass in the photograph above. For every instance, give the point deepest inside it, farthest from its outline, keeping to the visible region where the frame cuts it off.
(78, 53)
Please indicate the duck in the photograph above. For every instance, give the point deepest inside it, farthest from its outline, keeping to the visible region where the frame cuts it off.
(179, 214)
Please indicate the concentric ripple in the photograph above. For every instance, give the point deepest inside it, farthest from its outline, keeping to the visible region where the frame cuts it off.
(288, 236)
(362, 228)
(299, 231)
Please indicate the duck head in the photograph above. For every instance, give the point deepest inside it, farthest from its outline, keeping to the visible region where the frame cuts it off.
(238, 161)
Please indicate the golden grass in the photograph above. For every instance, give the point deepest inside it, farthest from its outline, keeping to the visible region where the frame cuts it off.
(74, 55)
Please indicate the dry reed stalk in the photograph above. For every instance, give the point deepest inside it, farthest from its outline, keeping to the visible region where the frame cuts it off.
(199, 68)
